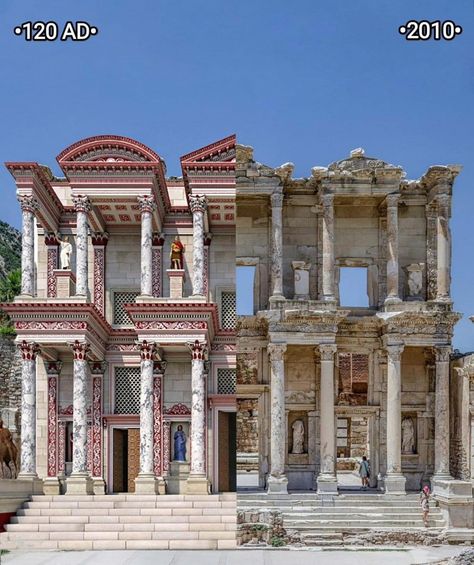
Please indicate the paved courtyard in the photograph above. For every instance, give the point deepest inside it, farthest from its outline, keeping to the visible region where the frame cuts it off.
(259, 557)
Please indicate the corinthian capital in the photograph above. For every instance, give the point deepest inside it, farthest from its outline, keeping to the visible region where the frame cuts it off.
(442, 354)
(146, 203)
(276, 199)
(80, 350)
(29, 350)
(147, 350)
(392, 200)
(327, 351)
(197, 203)
(198, 350)
(28, 203)
(82, 203)
(276, 351)
(394, 352)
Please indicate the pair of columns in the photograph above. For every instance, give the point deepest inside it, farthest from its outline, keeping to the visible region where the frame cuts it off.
(328, 281)
(147, 482)
(277, 480)
(327, 481)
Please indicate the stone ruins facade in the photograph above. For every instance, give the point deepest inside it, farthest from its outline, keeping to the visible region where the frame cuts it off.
(323, 383)
(126, 318)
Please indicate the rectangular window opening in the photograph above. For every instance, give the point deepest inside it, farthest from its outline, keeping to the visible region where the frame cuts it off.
(245, 276)
(353, 287)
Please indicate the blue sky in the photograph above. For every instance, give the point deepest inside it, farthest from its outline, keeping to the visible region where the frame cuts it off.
(301, 81)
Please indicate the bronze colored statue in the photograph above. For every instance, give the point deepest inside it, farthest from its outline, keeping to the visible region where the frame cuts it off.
(8, 452)
(176, 254)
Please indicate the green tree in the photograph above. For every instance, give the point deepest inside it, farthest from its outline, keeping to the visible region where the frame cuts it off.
(10, 286)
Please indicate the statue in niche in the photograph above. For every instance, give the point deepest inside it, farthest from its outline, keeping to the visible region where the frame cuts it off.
(415, 279)
(179, 444)
(408, 436)
(176, 253)
(65, 250)
(298, 437)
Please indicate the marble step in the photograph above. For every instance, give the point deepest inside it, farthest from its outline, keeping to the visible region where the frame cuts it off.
(223, 497)
(348, 509)
(356, 512)
(368, 524)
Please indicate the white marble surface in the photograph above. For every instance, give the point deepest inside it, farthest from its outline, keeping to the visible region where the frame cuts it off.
(198, 207)
(146, 417)
(392, 247)
(326, 407)
(147, 205)
(82, 206)
(28, 206)
(277, 409)
(328, 247)
(444, 249)
(277, 244)
(80, 397)
(28, 410)
(441, 466)
(198, 414)
(394, 418)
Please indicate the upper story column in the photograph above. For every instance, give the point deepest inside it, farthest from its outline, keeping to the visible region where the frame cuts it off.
(277, 246)
(443, 237)
(328, 247)
(147, 205)
(392, 249)
(198, 207)
(441, 468)
(28, 207)
(82, 206)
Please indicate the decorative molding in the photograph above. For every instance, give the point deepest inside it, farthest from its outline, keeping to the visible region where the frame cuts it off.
(97, 424)
(29, 351)
(53, 424)
(326, 351)
(80, 350)
(178, 409)
(82, 203)
(146, 203)
(99, 278)
(198, 350)
(172, 325)
(197, 203)
(147, 350)
(61, 446)
(157, 425)
(166, 445)
(276, 351)
(28, 203)
(51, 264)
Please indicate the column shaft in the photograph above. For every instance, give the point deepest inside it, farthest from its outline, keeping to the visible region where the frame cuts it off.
(29, 352)
(327, 480)
(392, 248)
(328, 247)
(146, 414)
(444, 249)
(28, 206)
(277, 246)
(147, 205)
(82, 206)
(198, 207)
(277, 481)
(80, 398)
(198, 407)
(441, 468)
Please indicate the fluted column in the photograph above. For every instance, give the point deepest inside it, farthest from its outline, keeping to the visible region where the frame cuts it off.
(82, 206)
(392, 249)
(29, 351)
(197, 482)
(198, 207)
(443, 238)
(394, 480)
(28, 207)
(147, 205)
(146, 483)
(327, 481)
(277, 246)
(328, 247)
(79, 482)
(441, 467)
(277, 480)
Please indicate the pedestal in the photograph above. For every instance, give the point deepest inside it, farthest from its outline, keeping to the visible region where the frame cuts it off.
(51, 486)
(79, 483)
(176, 277)
(32, 483)
(301, 279)
(149, 484)
(454, 498)
(197, 485)
(178, 476)
(277, 485)
(327, 484)
(98, 485)
(395, 484)
(65, 283)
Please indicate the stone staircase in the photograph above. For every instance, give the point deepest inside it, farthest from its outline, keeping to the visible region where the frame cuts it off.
(123, 521)
(327, 520)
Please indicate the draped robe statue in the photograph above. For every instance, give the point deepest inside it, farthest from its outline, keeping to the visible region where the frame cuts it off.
(179, 444)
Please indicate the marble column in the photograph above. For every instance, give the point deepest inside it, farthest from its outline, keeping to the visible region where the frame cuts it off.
(29, 352)
(327, 480)
(277, 480)
(51, 484)
(146, 482)
(392, 249)
(97, 369)
(328, 247)
(441, 467)
(198, 207)
(277, 247)
(79, 482)
(82, 206)
(29, 205)
(394, 479)
(147, 205)
(443, 237)
(99, 243)
(197, 482)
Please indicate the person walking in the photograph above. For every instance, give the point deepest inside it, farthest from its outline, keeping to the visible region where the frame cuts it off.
(425, 504)
(364, 472)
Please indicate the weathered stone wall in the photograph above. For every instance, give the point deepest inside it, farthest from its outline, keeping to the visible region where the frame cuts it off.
(10, 383)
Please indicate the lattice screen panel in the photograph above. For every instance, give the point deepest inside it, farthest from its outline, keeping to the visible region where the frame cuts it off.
(120, 314)
(226, 381)
(127, 390)
(228, 310)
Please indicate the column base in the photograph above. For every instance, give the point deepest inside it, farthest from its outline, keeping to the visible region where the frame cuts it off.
(198, 485)
(392, 300)
(51, 486)
(35, 484)
(149, 484)
(277, 485)
(394, 484)
(98, 485)
(327, 484)
(276, 298)
(445, 299)
(79, 483)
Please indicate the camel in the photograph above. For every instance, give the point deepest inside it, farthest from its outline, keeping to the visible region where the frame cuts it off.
(8, 452)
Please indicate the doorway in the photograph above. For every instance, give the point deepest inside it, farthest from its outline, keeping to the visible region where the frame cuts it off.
(126, 458)
(227, 451)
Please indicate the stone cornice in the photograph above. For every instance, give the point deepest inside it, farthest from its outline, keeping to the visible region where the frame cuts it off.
(419, 323)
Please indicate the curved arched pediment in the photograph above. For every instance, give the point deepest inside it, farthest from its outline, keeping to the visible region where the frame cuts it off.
(108, 149)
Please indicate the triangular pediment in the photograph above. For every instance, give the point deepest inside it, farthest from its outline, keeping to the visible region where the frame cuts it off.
(222, 151)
